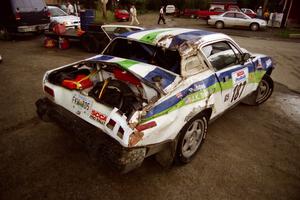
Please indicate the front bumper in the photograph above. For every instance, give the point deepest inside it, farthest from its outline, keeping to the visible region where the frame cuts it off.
(32, 28)
(124, 159)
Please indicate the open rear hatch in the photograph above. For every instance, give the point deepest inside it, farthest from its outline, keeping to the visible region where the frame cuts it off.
(108, 94)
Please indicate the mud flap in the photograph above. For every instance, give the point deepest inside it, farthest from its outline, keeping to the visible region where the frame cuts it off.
(166, 156)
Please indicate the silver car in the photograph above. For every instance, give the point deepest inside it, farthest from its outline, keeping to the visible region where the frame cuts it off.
(236, 19)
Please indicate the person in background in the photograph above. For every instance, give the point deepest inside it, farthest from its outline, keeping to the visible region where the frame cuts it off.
(77, 8)
(259, 12)
(161, 15)
(133, 15)
(267, 15)
(273, 19)
(70, 8)
(64, 7)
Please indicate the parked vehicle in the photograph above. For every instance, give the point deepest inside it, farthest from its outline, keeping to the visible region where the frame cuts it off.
(216, 9)
(236, 19)
(20, 16)
(170, 9)
(249, 12)
(96, 37)
(57, 15)
(122, 15)
(153, 92)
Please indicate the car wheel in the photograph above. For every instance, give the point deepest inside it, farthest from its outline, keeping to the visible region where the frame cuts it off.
(254, 26)
(262, 93)
(219, 25)
(264, 89)
(191, 138)
(4, 34)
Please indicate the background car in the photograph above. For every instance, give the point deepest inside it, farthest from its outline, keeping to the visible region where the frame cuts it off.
(22, 17)
(121, 15)
(57, 15)
(236, 19)
(249, 12)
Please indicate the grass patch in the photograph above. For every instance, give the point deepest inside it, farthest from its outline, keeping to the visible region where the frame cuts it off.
(285, 33)
(99, 17)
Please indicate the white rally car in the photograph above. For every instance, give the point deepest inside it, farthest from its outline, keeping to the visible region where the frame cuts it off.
(153, 92)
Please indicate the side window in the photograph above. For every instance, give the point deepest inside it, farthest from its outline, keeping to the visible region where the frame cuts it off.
(229, 15)
(239, 15)
(221, 55)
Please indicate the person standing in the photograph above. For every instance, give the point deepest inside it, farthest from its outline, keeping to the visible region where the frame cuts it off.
(133, 15)
(259, 12)
(161, 15)
(267, 15)
(70, 8)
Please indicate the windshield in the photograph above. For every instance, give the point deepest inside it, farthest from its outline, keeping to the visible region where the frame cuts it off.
(134, 50)
(56, 12)
(28, 5)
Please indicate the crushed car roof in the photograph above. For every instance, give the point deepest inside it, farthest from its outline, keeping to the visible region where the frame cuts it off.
(176, 36)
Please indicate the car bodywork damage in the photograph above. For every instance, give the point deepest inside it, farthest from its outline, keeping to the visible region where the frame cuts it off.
(147, 85)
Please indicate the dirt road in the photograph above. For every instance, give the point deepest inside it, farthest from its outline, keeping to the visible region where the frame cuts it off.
(250, 152)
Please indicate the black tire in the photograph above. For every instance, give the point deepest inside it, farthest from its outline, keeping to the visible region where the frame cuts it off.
(219, 24)
(254, 27)
(4, 34)
(262, 93)
(89, 43)
(189, 140)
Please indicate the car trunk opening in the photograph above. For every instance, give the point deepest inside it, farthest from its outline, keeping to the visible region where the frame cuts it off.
(108, 84)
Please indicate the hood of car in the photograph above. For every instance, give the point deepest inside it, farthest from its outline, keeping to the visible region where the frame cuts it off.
(152, 74)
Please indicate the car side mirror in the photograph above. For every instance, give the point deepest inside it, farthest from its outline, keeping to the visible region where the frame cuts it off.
(245, 57)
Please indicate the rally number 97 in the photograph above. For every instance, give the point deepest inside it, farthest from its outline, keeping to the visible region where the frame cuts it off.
(238, 90)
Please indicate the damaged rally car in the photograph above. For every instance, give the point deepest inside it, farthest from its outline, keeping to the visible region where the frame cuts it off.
(153, 92)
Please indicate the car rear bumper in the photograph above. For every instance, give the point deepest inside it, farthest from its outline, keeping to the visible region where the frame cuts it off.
(32, 28)
(124, 159)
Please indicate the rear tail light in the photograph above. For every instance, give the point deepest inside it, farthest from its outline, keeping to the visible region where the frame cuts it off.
(49, 91)
(17, 15)
(111, 124)
(48, 14)
(146, 126)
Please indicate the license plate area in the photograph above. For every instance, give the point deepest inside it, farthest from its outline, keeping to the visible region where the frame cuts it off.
(81, 105)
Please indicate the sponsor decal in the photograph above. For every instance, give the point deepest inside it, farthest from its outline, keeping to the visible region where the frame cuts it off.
(240, 76)
(97, 116)
(269, 63)
(179, 95)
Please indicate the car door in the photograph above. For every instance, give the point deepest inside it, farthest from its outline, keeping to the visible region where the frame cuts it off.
(241, 20)
(232, 74)
(229, 19)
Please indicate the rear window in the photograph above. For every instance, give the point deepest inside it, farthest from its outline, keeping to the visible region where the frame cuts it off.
(28, 5)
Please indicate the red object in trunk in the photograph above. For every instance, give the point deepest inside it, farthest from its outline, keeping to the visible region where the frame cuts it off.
(127, 77)
(81, 81)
